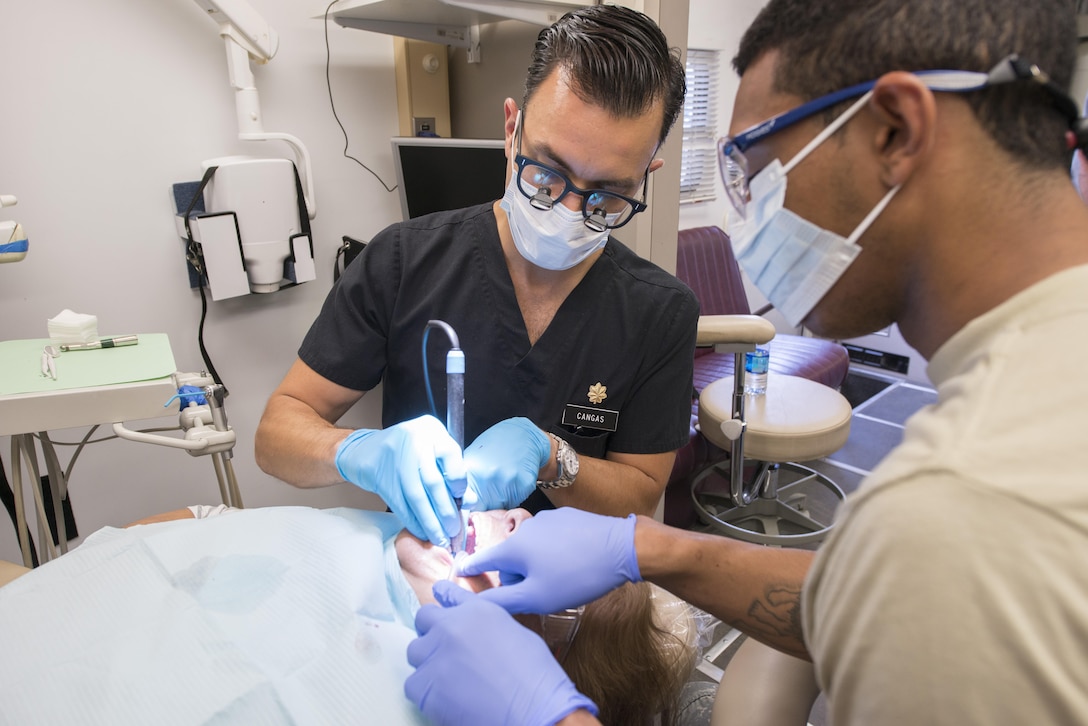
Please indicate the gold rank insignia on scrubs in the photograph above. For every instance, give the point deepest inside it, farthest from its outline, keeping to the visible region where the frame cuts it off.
(597, 393)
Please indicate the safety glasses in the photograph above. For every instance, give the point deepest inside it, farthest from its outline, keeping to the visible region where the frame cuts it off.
(733, 164)
(559, 629)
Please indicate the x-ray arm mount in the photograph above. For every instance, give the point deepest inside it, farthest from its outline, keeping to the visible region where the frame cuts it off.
(249, 37)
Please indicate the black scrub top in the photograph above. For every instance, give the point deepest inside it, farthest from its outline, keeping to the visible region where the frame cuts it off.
(612, 372)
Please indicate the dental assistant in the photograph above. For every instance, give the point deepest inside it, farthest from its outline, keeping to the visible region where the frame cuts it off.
(578, 352)
(896, 161)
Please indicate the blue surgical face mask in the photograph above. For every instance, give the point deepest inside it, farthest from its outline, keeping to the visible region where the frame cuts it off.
(792, 261)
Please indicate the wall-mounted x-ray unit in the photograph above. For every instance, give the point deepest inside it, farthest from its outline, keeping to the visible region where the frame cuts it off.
(246, 223)
(246, 227)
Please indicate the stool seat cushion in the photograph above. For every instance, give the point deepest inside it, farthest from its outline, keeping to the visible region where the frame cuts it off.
(795, 420)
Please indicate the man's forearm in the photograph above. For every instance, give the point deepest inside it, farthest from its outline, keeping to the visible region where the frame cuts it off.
(755, 589)
(611, 487)
(296, 445)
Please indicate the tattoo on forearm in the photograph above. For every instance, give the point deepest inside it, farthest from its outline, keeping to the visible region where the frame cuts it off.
(778, 614)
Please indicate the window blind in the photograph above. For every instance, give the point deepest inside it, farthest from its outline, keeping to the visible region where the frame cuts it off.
(698, 167)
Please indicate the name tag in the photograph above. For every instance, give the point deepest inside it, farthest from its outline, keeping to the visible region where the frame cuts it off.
(591, 418)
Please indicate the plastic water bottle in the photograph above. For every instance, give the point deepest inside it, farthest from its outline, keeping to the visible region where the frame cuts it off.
(755, 371)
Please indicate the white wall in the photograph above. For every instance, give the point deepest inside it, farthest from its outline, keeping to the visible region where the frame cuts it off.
(108, 103)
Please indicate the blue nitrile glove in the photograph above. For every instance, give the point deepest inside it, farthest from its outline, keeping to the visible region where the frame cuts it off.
(416, 467)
(559, 559)
(476, 665)
(503, 464)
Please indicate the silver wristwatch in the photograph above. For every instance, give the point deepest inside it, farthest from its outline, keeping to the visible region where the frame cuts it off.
(566, 461)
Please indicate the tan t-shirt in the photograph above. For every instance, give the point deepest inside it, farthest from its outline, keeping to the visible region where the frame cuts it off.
(954, 589)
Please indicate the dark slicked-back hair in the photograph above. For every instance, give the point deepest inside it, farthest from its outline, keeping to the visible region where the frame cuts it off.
(826, 45)
(616, 58)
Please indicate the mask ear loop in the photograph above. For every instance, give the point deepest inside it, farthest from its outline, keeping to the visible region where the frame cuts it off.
(827, 132)
(541, 199)
(822, 137)
(515, 145)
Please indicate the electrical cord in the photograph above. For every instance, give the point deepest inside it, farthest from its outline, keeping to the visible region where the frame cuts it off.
(328, 83)
(454, 344)
(196, 259)
(88, 440)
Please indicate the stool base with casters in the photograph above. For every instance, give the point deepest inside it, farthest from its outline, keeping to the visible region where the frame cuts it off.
(783, 503)
(781, 514)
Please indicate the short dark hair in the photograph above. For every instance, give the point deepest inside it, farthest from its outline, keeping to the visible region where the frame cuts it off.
(826, 45)
(617, 58)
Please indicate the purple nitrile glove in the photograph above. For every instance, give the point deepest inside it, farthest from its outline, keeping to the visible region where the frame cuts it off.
(476, 665)
(559, 559)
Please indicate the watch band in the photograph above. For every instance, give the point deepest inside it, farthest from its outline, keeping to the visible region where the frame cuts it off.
(566, 461)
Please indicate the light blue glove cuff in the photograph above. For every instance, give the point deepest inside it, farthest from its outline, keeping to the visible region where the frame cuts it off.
(353, 439)
(543, 444)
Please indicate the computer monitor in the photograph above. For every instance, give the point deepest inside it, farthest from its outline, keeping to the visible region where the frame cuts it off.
(436, 174)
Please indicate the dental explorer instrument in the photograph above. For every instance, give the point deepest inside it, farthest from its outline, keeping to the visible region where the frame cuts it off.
(117, 342)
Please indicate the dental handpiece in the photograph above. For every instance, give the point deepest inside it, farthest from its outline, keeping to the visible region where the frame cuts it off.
(455, 423)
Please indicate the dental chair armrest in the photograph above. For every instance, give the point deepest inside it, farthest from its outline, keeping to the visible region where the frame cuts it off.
(733, 333)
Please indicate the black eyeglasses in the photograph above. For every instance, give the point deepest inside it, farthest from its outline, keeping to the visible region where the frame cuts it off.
(545, 187)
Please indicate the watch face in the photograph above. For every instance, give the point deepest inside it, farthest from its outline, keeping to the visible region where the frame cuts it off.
(568, 457)
(570, 462)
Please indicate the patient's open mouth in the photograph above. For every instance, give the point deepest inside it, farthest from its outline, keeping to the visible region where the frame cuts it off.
(470, 536)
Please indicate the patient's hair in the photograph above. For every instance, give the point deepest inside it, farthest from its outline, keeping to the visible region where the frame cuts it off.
(633, 653)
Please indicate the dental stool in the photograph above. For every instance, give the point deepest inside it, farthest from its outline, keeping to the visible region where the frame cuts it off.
(706, 264)
(780, 502)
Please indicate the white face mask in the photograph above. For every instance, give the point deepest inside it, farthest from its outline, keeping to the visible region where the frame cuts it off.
(792, 261)
(555, 239)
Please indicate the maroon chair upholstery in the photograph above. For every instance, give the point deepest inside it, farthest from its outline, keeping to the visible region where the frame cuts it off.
(705, 263)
